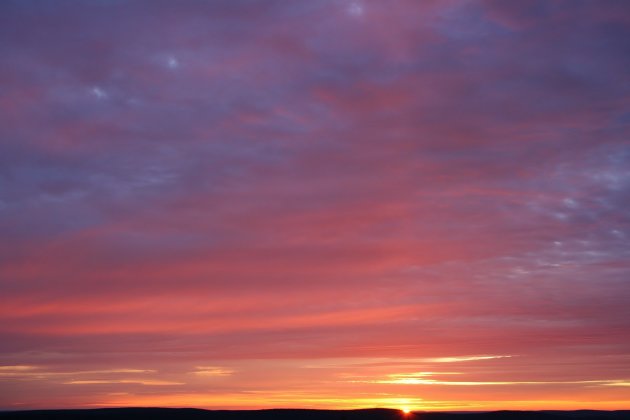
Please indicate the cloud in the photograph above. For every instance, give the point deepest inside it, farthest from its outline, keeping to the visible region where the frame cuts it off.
(424, 378)
(401, 184)
(122, 381)
(462, 359)
(212, 371)
(44, 373)
(19, 368)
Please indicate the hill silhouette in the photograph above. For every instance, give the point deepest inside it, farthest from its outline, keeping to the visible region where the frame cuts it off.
(291, 414)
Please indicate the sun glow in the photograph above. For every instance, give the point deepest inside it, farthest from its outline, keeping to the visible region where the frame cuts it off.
(405, 410)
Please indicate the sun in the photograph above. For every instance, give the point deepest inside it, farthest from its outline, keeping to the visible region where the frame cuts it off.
(405, 410)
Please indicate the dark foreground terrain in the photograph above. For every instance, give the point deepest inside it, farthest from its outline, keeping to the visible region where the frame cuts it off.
(368, 414)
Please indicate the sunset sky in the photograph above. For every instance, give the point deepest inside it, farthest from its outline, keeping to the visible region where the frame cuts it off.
(315, 203)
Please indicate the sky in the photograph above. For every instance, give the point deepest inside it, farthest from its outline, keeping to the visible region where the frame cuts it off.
(248, 204)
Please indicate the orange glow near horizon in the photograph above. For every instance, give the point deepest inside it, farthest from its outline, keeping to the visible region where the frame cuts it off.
(235, 402)
(449, 383)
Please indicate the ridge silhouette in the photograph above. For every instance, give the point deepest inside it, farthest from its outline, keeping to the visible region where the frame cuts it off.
(305, 414)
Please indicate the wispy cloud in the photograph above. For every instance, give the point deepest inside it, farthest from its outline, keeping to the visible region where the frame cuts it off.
(123, 381)
(18, 368)
(212, 371)
(43, 373)
(423, 378)
(462, 359)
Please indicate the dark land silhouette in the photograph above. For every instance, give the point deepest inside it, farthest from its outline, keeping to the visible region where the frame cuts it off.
(290, 414)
